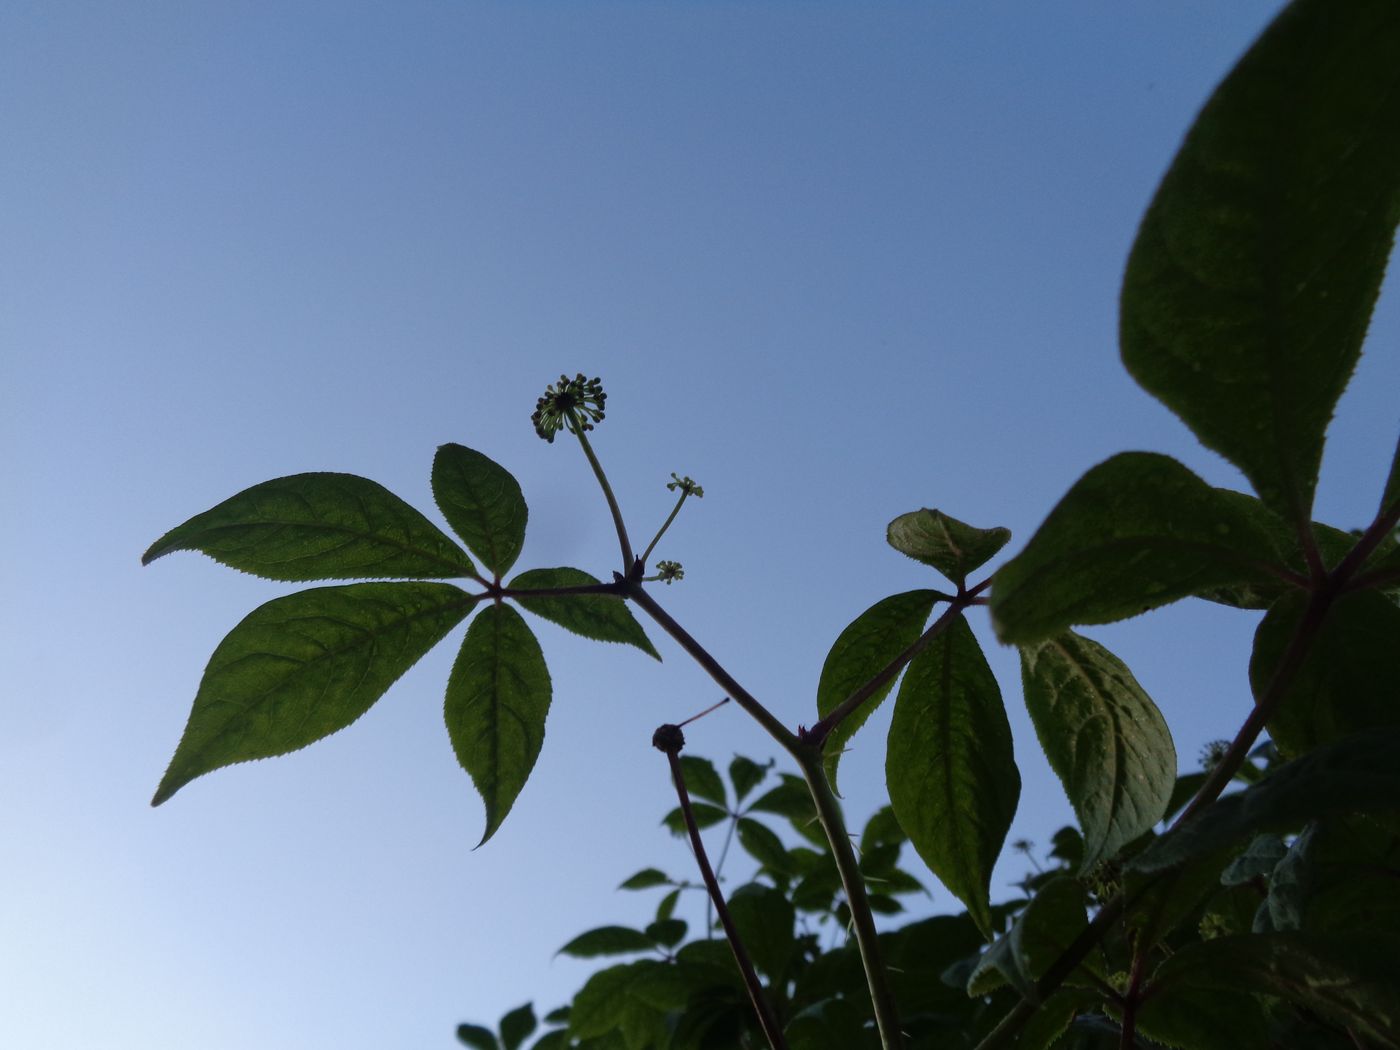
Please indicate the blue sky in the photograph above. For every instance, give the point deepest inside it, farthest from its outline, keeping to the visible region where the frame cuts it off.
(836, 262)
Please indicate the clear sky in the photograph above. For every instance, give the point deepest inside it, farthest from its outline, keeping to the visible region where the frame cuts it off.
(836, 262)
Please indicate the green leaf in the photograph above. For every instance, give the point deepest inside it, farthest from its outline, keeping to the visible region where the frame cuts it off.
(497, 698)
(483, 504)
(1290, 883)
(602, 617)
(1350, 678)
(746, 774)
(706, 816)
(1350, 979)
(645, 879)
(1104, 738)
(949, 767)
(667, 905)
(607, 940)
(1257, 861)
(952, 547)
(478, 1038)
(1391, 495)
(606, 1003)
(305, 665)
(558, 1039)
(1038, 936)
(871, 641)
(764, 918)
(667, 932)
(1251, 283)
(764, 846)
(517, 1025)
(1357, 774)
(1204, 1019)
(318, 527)
(792, 799)
(702, 780)
(1136, 532)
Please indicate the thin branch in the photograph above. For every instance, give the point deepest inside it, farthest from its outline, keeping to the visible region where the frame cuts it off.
(671, 744)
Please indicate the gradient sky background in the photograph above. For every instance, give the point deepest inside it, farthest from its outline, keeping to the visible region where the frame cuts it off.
(834, 261)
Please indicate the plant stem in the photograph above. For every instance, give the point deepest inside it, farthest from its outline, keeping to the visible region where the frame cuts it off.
(627, 560)
(834, 824)
(741, 956)
(664, 526)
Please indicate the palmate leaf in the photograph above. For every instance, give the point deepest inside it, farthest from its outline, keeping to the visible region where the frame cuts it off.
(1350, 679)
(865, 647)
(1136, 532)
(498, 697)
(949, 767)
(319, 527)
(482, 502)
(303, 666)
(952, 547)
(1358, 774)
(1251, 283)
(1104, 738)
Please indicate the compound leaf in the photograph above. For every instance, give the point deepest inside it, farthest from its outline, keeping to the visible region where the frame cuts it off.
(1136, 532)
(871, 641)
(949, 767)
(498, 696)
(952, 547)
(602, 617)
(482, 502)
(1104, 738)
(305, 665)
(1251, 283)
(318, 526)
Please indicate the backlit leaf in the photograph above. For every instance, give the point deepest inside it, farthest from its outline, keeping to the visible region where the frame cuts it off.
(1136, 532)
(1350, 679)
(865, 647)
(498, 696)
(746, 774)
(706, 816)
(702, 780)
(517, 1025)
(602, 617)
(949, 767)
(764, 918)
(482, 502)
(645, 879)
(1250, 286)
(1104, 738)
(477, 1037)
(952, 547)
(305, 665)
(607, 940)
(318, 527)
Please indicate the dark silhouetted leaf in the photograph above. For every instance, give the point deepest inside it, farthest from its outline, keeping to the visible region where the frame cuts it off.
(865, 647)
(1136, 532)
(517, 1025)
(1038, 936)
(764, 918)
(746, 774)
(760, 842)
(706, 816)
(483, 504)
(949, 545)
(701, 779)
(318, 527)
(1104, 738)
(497, 698)
(1251, 283)
(667, 932)
(1391, 496)
(303, 666)
(1257, 861)
(1204, 1019)
(645, 879)
(478, 1038)
(949, 767)
(1350, 679)
(792, 799)
(602, 617)
(1359, 773)
(607, 940)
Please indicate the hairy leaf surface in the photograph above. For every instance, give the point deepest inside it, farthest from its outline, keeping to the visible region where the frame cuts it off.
(319, 526)
(1251, 283)
(951, 774)
(871, 641)
(305, 665)
(602, 617)
(1350, 679)
(952, 547)
(482, 502)
(1104, 738)
(1136, 532)
(498, 696)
